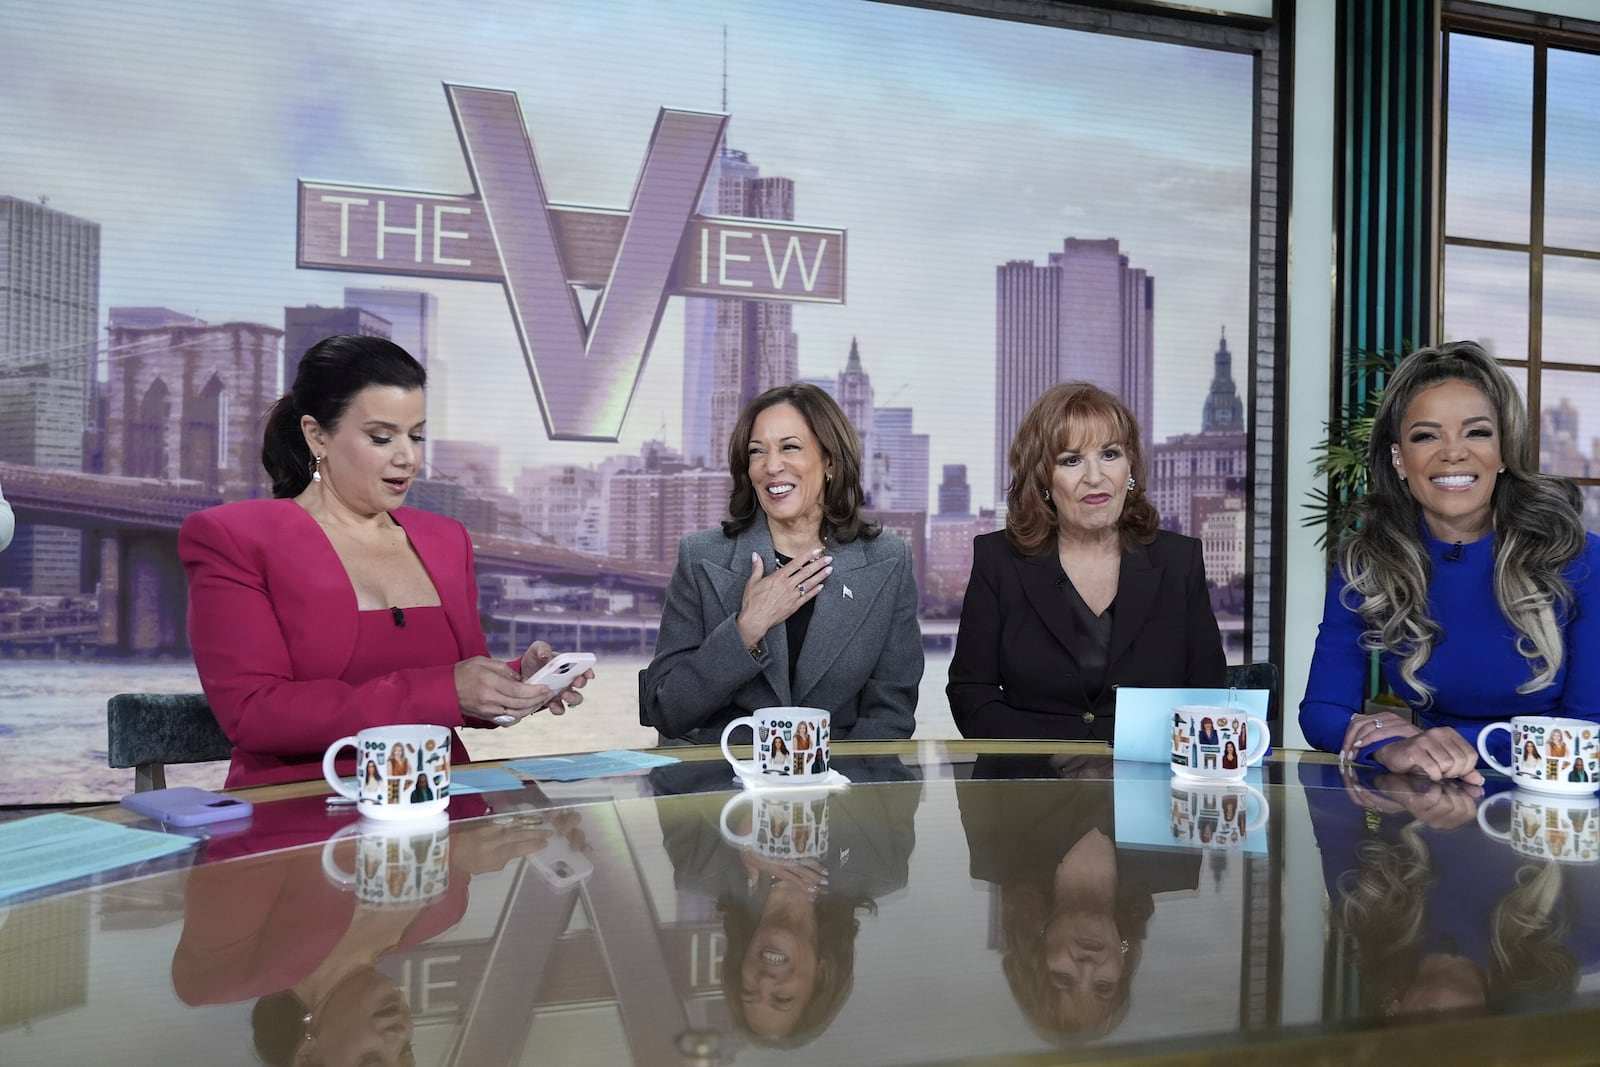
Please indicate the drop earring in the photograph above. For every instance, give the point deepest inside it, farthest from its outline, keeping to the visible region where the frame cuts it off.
(1046, 494)
(316, 468)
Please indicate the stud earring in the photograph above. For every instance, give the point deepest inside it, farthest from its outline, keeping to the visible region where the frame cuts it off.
(1502, 470)
(1132, 485)
(316, 468)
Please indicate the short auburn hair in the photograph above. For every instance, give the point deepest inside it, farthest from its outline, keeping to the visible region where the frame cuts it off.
(1067, 417)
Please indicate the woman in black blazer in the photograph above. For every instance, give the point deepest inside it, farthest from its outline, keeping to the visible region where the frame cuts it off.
(1081, 592)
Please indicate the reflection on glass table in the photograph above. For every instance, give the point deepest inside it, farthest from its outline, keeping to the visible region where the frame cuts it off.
(957, 902)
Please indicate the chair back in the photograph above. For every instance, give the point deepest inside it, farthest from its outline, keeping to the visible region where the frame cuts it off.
(1259, 675)
(147, 731)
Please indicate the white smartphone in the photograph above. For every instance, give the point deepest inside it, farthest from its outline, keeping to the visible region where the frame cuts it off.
(562, 671)
(558, 862)
(560, 865)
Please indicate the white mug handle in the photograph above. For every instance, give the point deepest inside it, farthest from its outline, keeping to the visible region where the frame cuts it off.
(1483, 748)
(739, 840)
(750, 767)
(1262, 735)
(330, 867)
(1261, 816)
(1483, 810)
(331, 775)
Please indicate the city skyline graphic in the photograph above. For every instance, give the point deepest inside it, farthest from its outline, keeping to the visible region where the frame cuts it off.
(170, 232)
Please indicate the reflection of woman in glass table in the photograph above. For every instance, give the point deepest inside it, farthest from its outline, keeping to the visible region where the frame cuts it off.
(791, 926)
(273, 928)
(1440, 915)
(1074, 907)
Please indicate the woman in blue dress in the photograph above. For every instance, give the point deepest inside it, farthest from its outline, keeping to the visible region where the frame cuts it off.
(1469, 572)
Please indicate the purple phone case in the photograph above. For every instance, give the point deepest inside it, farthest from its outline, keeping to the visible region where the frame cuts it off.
(185, 805)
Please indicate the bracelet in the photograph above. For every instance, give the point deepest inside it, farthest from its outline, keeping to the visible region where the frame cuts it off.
(756, 651)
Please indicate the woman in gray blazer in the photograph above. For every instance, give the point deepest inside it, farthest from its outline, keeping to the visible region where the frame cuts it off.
(797, 599)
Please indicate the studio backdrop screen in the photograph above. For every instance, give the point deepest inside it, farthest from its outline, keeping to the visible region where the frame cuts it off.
(603, 228)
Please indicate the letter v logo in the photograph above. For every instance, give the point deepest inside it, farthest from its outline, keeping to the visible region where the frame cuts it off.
(583, 375)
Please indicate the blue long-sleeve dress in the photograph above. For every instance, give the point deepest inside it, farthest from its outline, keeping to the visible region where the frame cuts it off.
(1474, 667)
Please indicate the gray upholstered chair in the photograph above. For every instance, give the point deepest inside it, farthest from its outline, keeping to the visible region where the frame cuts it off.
(1262, 675)
(147, 731)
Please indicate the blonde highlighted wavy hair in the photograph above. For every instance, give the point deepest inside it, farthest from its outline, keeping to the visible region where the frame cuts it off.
(1538, 529)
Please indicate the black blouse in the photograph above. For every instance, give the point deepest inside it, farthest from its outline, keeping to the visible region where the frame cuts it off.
(800, 622)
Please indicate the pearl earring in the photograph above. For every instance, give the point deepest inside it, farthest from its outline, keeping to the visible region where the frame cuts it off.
(316, 468)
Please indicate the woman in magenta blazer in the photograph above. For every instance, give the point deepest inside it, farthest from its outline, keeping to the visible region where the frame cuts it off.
(331, 608)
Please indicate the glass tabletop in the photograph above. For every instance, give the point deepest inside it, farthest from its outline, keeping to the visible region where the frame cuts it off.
(957, 902)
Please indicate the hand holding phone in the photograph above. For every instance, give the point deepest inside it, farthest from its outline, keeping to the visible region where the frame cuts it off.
(562, 671)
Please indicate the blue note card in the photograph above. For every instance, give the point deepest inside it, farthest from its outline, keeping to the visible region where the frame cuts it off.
(1144, 717)
(592, 765)
(482, 780)
(47, 849)
(1158, 809)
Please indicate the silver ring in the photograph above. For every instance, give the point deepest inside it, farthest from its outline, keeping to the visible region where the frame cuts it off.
(1378, 723)
(505, 720)
(802, 588)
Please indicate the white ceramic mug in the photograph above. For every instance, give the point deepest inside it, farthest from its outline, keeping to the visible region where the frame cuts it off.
(791, 745)
(783, 826)
(1548, 755)
(1216, 743)
(402, 772)
(1215, 814)
(395, 864)
(1544, 827)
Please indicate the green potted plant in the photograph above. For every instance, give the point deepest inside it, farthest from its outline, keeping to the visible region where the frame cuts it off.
(1342, 462)
(1342, 454)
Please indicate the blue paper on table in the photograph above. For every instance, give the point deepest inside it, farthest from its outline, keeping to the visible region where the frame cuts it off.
(1144, 716)
(593, 765)
(54, 848)
(482, 780)
(1153, 809)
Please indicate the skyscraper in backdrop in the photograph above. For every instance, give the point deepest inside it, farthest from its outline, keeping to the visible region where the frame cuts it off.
(1086, 315)
(413, 323)
(49, 334)
(734, 349)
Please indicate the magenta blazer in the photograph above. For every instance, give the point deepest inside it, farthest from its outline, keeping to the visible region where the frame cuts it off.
(272, 623)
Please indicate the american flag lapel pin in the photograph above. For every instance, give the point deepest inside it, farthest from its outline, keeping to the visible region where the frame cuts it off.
(848, 595)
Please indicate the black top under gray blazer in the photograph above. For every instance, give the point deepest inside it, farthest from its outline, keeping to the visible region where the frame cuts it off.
(1015, 670)
(862, 658)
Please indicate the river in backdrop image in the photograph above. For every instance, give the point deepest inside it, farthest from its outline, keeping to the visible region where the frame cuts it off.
(53, 723)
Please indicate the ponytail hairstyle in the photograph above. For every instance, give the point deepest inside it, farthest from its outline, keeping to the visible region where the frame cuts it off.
(331, 373)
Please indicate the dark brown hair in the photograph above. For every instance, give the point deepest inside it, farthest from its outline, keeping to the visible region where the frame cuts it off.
(842, 495)
(836, 962)
(331, 373)
(1057, 422)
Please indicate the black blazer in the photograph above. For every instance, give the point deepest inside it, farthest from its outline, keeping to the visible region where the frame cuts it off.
(1015, 671)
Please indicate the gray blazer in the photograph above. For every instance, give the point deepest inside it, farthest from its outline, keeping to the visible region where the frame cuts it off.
(862, 659)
